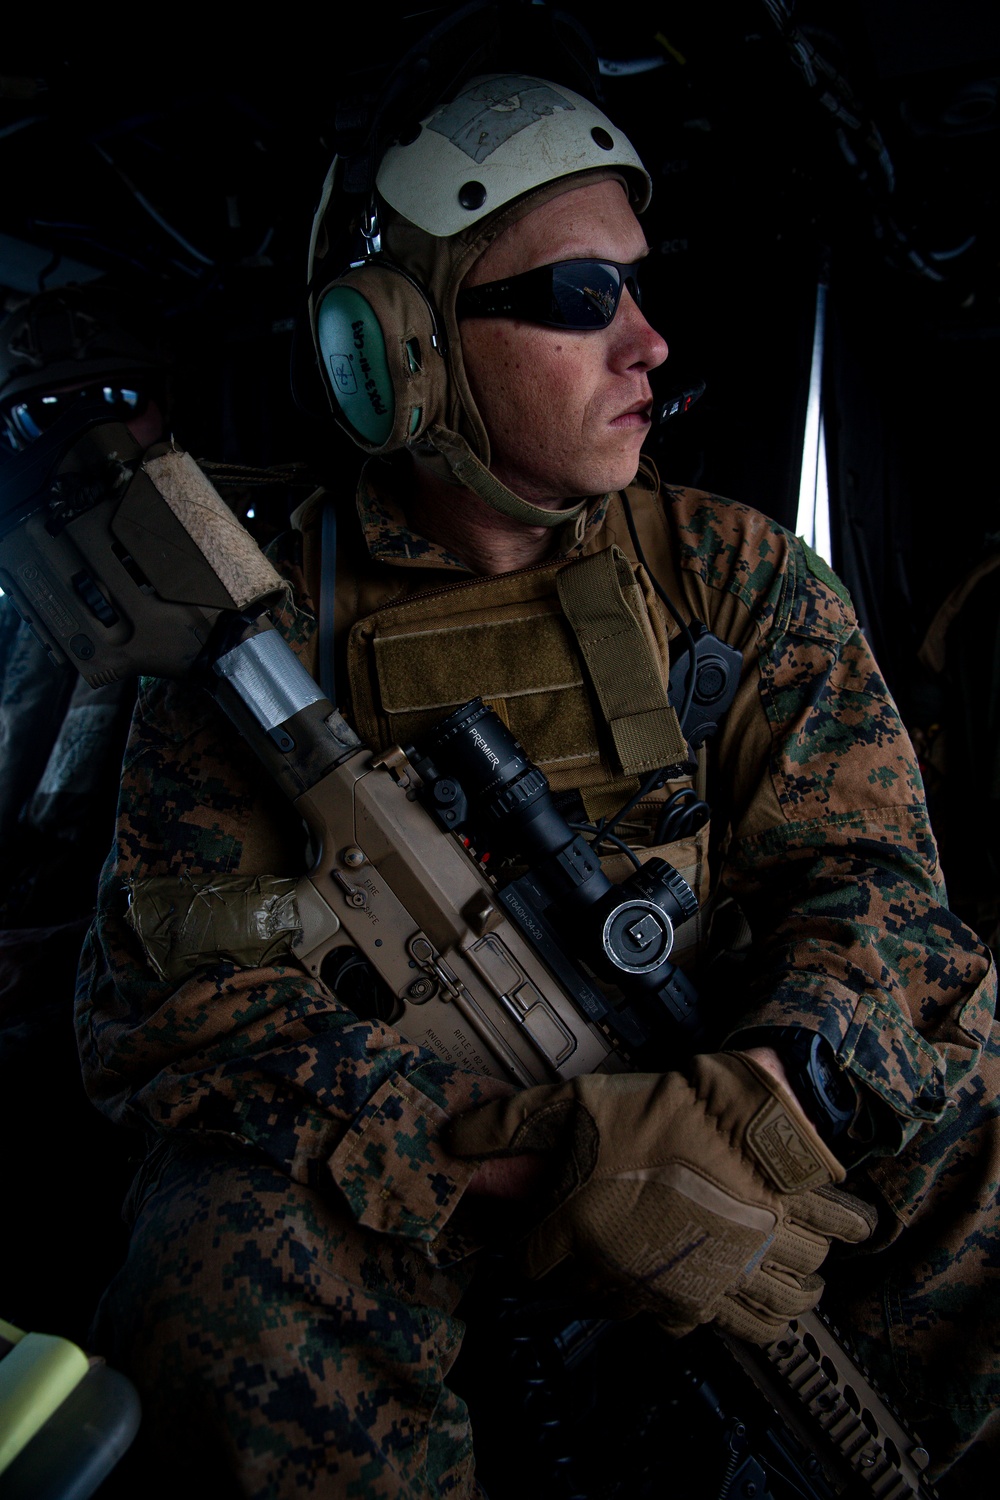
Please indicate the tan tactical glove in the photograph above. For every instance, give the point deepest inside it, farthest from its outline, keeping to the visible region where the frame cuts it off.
(697, 1199)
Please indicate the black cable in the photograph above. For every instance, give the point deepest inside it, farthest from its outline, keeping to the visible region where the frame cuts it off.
(682, 815)
(611, 837)
(651, 782)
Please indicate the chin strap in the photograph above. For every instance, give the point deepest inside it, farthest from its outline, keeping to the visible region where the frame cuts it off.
(469, 471)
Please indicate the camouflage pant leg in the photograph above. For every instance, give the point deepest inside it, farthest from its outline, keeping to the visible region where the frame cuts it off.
(925, 1312)
(279, 1349)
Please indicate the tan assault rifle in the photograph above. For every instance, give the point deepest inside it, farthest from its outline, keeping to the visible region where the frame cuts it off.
(127, 562)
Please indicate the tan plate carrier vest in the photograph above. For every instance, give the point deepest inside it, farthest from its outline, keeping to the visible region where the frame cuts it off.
(572, 656)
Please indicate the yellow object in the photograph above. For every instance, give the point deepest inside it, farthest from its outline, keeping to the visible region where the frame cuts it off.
(36, 1376)
(669, 47)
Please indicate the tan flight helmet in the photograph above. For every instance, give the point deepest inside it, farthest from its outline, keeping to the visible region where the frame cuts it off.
(384, 328)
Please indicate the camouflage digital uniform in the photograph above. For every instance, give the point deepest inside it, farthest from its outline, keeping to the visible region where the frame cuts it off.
(300, 1239)
(61, 744)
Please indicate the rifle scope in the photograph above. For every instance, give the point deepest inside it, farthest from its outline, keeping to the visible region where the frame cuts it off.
(480, 782)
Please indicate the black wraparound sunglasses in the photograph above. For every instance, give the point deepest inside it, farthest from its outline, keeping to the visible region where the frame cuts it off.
(578, 294)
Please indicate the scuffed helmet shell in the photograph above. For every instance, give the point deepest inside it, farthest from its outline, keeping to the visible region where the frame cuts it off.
(502, 136)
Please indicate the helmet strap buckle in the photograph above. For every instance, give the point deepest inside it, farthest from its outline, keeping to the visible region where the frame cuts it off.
(371, 230)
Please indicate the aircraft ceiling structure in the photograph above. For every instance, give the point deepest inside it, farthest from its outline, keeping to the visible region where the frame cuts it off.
(791, 142)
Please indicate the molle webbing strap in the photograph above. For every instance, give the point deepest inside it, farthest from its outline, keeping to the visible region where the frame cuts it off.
(626, 675)
(327, 598)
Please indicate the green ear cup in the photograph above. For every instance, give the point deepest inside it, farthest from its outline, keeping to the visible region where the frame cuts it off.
(354, 357)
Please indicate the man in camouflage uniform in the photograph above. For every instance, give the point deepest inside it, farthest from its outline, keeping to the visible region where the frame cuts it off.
(61, 744)
(60, 741)
(309, 1217)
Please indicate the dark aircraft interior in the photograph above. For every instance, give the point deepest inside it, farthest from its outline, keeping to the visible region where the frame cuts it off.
(824, 218)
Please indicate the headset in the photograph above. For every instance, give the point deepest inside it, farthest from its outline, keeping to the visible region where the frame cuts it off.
(383, 334)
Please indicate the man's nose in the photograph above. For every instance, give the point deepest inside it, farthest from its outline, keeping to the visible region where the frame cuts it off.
(639, 344)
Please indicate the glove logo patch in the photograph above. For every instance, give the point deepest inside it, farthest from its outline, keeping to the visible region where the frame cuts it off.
(786, 1156)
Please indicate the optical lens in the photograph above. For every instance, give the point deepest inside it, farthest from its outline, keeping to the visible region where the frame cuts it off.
(577, 294)
(585, 293)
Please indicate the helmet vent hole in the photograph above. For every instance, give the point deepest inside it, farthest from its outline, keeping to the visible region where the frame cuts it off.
(409, 133)
(472, 195)
(601, 138)
(413, 355)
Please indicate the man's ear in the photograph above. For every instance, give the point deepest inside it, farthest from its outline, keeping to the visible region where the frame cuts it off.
(381, 354)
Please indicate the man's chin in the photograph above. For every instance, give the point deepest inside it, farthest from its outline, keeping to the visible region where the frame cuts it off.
(620, 469)
(615, 477)
(594, 479)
